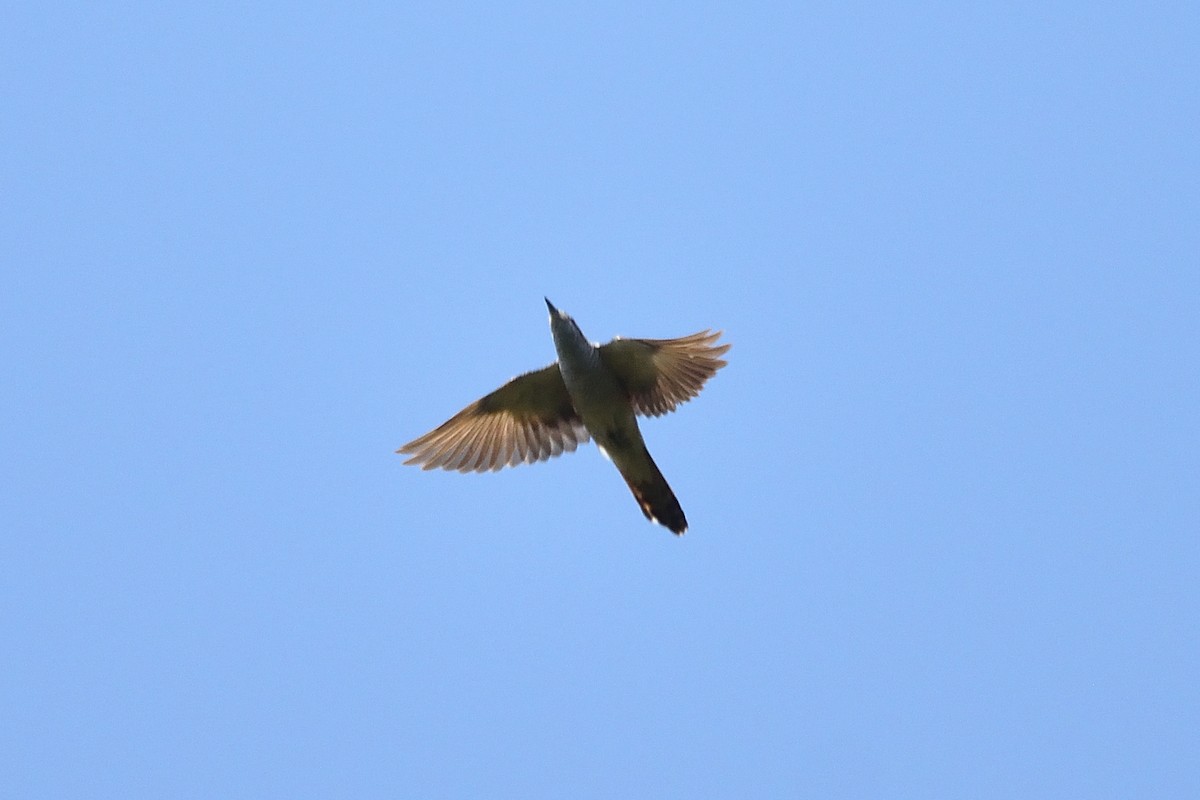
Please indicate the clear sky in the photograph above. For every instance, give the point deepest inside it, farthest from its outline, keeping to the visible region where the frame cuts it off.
(944, 500)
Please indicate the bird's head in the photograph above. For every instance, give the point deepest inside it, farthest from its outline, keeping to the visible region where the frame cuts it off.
(565, 331)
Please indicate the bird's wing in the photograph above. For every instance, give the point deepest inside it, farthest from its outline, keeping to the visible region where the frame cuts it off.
(659, 374)
(528, 419)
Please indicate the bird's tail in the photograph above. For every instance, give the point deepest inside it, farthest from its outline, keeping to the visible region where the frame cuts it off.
(654, 495)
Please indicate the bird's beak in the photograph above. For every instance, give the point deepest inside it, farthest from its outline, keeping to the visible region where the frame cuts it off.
(549, 305)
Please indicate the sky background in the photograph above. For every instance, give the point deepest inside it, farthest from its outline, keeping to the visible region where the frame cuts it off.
(944, 500)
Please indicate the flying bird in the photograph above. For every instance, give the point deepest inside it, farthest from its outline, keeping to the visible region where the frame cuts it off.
(592, 391)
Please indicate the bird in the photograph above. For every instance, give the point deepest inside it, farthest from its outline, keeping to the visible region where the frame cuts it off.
(591, 392)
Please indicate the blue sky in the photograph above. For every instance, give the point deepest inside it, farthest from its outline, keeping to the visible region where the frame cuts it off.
(944, 499)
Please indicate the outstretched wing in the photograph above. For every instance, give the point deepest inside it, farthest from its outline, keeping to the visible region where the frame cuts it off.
(530, 418)
(659, 374)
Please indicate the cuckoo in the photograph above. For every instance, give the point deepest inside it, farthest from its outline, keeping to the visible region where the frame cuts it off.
(592, 391)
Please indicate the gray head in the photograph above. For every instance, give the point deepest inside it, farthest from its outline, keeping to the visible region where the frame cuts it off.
(567, 335)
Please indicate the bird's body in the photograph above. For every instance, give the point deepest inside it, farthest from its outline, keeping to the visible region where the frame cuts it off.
(590, 391)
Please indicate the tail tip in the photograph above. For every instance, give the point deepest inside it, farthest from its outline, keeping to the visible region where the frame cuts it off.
(671, 517)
